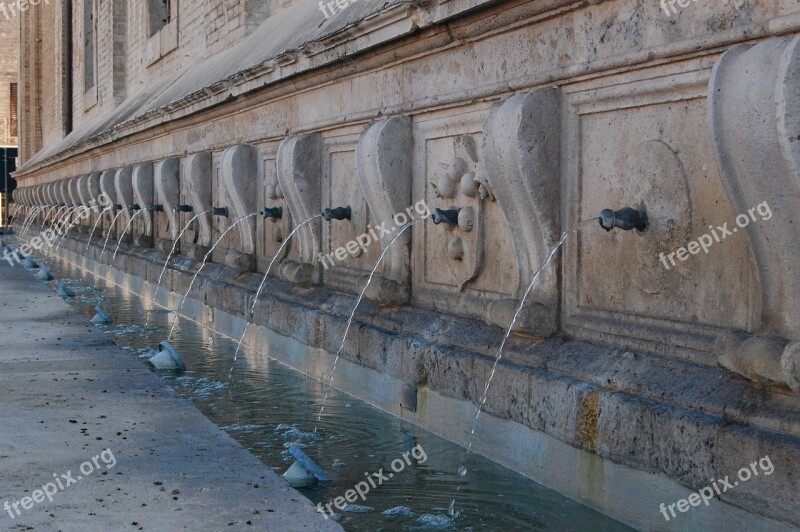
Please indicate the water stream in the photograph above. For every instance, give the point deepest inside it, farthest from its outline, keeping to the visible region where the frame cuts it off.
(268, 406)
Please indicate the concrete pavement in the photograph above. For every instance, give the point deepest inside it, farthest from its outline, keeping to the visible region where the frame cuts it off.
(92, 440)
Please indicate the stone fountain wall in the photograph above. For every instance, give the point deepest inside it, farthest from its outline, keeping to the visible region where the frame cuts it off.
(530, 118)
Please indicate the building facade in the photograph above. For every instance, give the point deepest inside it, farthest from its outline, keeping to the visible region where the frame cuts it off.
(670, 351)
(9, 123)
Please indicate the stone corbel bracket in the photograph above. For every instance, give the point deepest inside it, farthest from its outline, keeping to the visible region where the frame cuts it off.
(299, 166)
(384, 172)
(74, 200)
(62, 193)
(107, 188)
(74, 196)
(123, 184)
(239, 175)
(143, 196)
(521, 150)
(166, 183)
(85, 199)
(754, 117)
(197, 183)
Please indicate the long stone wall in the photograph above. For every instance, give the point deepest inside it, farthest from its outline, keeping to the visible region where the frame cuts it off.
(673, 350)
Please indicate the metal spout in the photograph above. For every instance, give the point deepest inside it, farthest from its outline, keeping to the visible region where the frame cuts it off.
(134, 207)
(276, 213)
(449, 217)
(339, 213)
(626, 219)
(155, 208)
(220, 211)
(184, 208)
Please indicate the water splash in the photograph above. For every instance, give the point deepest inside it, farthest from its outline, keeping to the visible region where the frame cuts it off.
(353, 313)
(263, 282)
(205, 259)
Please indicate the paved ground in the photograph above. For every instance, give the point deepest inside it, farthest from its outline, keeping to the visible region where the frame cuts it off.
(68, 396)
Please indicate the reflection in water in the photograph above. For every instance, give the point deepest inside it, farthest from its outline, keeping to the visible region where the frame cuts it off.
(268, 406)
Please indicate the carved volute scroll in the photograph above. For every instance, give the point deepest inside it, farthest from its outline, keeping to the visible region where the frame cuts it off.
(384, 172)
(93, 186)
(754, 116)
(62, 192)
(84, 198)
(109, 190)
(123, 184)
(168, 194)
(299, 166)
(197, 190)
(143, 196)
(521, 149)
(74, 196)
(239, 176)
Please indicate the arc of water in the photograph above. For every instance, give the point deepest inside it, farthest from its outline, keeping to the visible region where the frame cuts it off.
(175, 245)
(96, 223)
(60, 224)
(110, 228)
(263, 282)
(203, 265)
(43, 209)
(127, 226)
(462, 471)
(64, 236)
(352, 314)
(56, 214)
(29, 217)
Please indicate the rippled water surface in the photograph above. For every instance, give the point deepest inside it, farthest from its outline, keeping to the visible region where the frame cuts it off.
(267, 406)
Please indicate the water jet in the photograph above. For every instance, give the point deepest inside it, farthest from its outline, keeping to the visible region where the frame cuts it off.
(447, 217)
(275, 213)
(626, 219)
(339, 213)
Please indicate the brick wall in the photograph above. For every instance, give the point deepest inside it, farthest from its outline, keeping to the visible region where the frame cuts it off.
(205, 27)
(8, 74)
